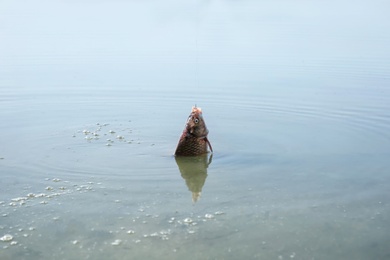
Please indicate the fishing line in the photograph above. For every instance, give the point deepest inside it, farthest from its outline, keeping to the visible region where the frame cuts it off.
(196, 44)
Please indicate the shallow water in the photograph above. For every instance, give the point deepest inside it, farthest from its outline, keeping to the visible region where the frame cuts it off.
(94, 95)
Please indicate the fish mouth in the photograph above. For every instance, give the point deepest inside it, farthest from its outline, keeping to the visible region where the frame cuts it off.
(196, 109)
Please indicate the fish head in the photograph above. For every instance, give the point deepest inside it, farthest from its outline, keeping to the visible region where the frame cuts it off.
(195, 123)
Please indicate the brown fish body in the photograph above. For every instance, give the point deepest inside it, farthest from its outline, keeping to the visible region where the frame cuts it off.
(193, 140)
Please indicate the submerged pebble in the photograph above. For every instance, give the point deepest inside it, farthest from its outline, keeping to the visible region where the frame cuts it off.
(19, 199)
(188, 220)
(209, 216)
(117, 242)
(6, 238)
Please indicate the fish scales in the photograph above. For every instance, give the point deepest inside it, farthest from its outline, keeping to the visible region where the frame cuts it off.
(193, 140)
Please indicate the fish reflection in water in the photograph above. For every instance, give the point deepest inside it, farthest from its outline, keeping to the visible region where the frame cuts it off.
(194, 171)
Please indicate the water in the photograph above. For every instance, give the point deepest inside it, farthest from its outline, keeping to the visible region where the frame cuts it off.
(94, 95)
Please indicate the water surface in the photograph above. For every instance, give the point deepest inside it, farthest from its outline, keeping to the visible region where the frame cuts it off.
(94, 95)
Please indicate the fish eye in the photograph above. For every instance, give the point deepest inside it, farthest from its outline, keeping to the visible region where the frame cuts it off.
(196, 120)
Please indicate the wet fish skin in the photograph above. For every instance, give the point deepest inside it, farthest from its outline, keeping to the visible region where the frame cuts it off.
(193, 140)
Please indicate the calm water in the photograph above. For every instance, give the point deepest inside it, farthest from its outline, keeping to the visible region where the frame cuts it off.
(94, 95)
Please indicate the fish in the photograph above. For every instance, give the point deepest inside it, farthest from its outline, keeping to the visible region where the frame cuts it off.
(193, 141)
